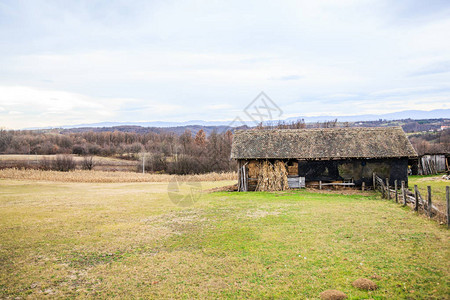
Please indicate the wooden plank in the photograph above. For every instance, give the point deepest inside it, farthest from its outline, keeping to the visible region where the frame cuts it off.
(416, 198)
(429, 206)
(396, 191)
(403, 193)
(387, 189)
(374, 183)
(337, 183)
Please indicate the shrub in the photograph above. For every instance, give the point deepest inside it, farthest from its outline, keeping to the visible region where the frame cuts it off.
(64, 163)
(88, 162)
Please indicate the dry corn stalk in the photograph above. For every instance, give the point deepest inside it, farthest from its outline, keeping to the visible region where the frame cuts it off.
(107, 177)
(272, 177)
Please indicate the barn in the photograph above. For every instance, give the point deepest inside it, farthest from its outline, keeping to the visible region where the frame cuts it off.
(277, 159)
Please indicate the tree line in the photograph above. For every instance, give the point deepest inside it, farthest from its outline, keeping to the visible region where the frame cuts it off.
(163, 152)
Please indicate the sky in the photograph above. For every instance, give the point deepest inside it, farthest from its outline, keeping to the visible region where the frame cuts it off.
(72, 62)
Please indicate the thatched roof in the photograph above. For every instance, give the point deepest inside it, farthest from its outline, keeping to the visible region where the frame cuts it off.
(325, 143)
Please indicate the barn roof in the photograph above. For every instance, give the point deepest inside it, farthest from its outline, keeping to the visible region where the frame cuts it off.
(324, 143)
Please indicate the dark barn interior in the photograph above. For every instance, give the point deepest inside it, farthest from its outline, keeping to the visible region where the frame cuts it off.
(328, 155)
(354, 170)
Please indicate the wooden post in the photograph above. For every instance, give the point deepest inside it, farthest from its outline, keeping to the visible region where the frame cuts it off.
(429, 201)
(403, 193)
(416, 197)
(363, 186)
(447, 195)
(374, 183)
(320, 184)
(388, 189)
(396, 191)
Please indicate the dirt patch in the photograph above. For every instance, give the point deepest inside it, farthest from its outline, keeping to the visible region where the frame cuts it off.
(261, 213)
(341, 192)
(228, 188)
(375, 276)
(365, 284)
(332, 295)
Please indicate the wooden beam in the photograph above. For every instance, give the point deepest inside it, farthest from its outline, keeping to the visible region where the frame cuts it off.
(387, 189)
(396, 191)
(403, 193)
(416, 198)
(429, 206)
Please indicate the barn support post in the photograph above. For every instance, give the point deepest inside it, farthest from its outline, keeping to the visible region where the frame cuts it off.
(429, 201)
(416, 198)
(388, 191)
(396, 191)
(403, 193)
(242, 177)
(374, 183)
(239, 176)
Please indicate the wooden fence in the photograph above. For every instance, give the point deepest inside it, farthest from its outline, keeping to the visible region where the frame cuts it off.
(400, 194)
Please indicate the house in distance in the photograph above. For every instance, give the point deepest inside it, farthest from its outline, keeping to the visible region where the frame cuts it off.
(275, 159)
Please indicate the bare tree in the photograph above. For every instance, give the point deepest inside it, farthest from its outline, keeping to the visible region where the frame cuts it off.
(88, 162)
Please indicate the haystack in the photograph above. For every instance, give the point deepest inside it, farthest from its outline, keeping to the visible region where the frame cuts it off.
(272, 177)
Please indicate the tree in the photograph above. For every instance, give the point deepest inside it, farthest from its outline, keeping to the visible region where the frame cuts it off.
(200, 138)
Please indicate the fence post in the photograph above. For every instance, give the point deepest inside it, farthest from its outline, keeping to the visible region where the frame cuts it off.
(374, 183)
(363, 186)
(396, 191)
(416, 197)
(403, 193)
(429, 201)
(320, 184)
(447, 195)
(388, 189)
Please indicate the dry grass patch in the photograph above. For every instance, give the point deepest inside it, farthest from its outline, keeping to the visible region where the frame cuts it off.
(365, 284)
(333, 295)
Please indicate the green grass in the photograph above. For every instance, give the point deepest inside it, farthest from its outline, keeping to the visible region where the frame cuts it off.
(129, 240)
(437, 188)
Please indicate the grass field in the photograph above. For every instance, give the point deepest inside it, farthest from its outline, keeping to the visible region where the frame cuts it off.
(437, 188)
(106, 240)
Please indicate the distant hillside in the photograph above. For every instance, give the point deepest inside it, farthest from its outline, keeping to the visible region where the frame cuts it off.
(402, 115)
(408, 125)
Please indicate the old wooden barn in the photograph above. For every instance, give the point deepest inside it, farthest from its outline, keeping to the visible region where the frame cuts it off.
(281, 158)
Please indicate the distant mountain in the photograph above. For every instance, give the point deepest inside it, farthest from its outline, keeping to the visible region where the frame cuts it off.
(401, 115)
(407, 114)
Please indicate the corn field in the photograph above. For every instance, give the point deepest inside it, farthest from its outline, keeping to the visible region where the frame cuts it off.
(108, 177)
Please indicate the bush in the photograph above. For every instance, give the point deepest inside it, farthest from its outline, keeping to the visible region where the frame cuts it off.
(64, 163)
(88, 162)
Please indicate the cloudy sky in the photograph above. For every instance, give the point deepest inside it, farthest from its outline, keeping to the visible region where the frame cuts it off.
(71, 62)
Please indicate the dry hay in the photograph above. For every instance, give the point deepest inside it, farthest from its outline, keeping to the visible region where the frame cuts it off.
(365, 284)
(272, 177)
(107, 177)
(332, 295)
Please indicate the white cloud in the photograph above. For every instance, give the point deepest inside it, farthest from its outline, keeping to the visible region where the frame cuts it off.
(154, 60)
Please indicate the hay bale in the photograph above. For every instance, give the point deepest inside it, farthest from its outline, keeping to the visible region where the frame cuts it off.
(332, 295)
(365, 284)
(272, 177)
